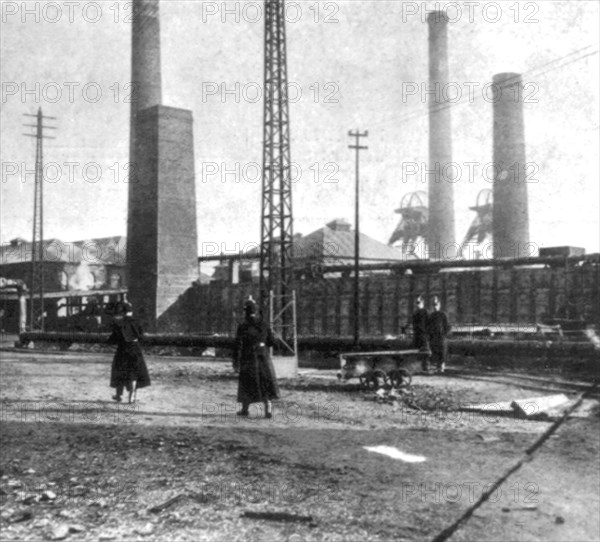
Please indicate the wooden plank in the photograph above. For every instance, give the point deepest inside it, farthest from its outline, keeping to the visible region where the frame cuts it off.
(537, 405)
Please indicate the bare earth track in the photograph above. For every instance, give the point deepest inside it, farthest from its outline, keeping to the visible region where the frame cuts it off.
(76, 465)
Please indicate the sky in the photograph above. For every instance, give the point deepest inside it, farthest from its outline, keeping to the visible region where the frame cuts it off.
(352, 65)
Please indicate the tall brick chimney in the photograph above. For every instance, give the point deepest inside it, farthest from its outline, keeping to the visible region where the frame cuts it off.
(145, 61)
(510, 211)
(440, 232)
(162, 251)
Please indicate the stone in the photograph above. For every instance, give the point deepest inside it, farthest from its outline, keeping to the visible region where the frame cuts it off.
(48, 495)
(147, 529)
(60, 532)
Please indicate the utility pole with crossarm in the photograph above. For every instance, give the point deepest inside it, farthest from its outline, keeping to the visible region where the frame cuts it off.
(36, 286)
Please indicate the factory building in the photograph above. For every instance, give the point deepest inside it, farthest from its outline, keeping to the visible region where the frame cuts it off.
(76, 274)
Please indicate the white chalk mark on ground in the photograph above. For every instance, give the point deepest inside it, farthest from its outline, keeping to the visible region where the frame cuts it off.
(394, 453)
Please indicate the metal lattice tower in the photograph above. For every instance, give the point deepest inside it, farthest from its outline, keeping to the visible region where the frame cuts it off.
(413, 224)
(276, 271)
(482, 225)
(36, 286)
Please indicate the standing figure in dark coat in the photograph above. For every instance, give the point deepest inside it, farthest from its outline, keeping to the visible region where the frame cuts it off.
(419, 326)
(129, 369)
(438, 329)
(257, 381)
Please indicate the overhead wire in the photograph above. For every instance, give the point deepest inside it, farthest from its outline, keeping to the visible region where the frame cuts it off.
(531, 72)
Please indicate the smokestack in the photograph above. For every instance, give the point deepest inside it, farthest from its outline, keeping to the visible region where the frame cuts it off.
(145, 62)
(162, 237)
(510, 211)
(441, 190)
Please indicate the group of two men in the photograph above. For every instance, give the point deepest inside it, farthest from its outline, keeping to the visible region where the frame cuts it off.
(430, 332)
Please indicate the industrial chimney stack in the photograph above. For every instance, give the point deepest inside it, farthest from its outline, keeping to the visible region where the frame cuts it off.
(440, 237)
(146, 83)
(510, 211)
(162, 238)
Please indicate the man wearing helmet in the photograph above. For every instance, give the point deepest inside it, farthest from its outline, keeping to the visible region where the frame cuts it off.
(257, 381)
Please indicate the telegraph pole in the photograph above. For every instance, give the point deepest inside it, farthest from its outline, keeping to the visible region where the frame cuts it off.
(358, 147)
(36, 313)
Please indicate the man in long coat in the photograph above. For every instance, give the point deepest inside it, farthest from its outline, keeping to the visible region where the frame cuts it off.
(437, 330)
(419, 327)
(257, 381)
(128, 369)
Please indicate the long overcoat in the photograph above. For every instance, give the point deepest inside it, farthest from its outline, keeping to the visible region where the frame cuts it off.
(419, 325)
(257, 381)
(437, 330)
(128, 363)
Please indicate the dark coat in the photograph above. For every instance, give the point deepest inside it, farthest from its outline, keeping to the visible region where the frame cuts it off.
(419, 325)
(257, 381)
(128, 363)
(437, 330)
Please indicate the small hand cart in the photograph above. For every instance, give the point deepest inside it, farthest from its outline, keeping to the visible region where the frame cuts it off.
(380, 369)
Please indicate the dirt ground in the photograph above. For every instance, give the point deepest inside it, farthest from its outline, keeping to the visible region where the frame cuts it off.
(75, 465)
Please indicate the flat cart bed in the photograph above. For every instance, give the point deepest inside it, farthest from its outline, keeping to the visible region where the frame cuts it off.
(381, 368)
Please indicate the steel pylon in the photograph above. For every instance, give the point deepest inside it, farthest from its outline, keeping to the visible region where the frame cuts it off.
(276, 265)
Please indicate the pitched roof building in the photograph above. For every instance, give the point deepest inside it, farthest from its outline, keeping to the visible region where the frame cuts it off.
(333, 244)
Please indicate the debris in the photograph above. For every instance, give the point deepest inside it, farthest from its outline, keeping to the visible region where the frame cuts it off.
(587, 409)
(559, 519)
(18, 517)
(496, 408)
(278, 516)
(76, 528)
(538, 405)
(31, 498)
(48, 495)
(390, 396)
(60, 532)
(166, 504)
(29, 471)
(145, 530)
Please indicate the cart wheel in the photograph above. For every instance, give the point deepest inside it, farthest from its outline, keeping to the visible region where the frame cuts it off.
(376, 379)
(400, 378)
